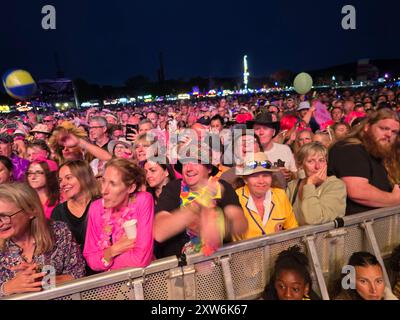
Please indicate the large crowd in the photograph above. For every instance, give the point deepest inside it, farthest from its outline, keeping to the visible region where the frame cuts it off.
(194, 176)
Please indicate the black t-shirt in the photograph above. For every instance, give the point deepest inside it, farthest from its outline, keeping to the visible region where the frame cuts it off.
(105, 146)
(353, 160)
(169, 200)
(75, 224)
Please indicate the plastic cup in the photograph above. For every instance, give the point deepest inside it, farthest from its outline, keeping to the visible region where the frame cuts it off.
(130, 228)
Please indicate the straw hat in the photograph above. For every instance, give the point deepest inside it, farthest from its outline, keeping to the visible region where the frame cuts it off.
(257, 162)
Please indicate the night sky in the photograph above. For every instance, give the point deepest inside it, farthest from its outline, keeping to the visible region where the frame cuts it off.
(106, 42)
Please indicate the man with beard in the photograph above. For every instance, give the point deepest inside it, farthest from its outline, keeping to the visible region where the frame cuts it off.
(368, 163)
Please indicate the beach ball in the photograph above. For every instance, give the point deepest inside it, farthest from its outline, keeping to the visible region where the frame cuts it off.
(19, 84)
(302, 83)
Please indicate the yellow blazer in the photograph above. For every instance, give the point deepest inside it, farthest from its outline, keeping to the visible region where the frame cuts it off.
(281, 215)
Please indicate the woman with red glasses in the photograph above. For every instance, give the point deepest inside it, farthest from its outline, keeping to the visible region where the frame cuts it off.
(42, 176)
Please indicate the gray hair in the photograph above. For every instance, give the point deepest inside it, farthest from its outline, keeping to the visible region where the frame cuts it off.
(144, 121)
(101, 120)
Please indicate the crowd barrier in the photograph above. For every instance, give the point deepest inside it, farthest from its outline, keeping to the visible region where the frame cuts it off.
(240, 270)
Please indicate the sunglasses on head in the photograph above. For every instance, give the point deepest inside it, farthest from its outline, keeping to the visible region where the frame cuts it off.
(254, 164)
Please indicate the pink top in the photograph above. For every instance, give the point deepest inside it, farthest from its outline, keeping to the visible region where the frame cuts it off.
(48, 209)
(141, 209)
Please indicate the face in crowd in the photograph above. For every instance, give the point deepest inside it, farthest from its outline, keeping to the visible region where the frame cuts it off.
(195, 174)
(141, 150)
(245, 145)
(341, 131)
(259, 183)
(97, 131)
(313, 162)
(304, 138)
(5, 174)
(71, 153)
(122, 151)
(69, 184)
(264, 133)
(337, 114)
(153, 117)
(216, 126)
(5, 149)
(36, 176)
(290, 285)
(156, 175)
(113, 189)
(370, 284)
(384, 133)
(13, 220)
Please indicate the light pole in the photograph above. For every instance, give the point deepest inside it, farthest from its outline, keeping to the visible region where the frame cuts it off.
(246, 73)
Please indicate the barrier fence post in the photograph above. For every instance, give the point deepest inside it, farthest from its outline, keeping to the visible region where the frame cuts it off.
(189, 282)
(226, 269)
(317, 266)
(176, 284)
(335, 250)
(367, 226)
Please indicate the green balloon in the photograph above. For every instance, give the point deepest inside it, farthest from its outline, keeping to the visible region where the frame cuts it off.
(302, 83)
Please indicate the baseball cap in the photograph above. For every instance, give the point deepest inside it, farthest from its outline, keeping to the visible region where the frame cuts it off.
(5, 138)
(303, 106)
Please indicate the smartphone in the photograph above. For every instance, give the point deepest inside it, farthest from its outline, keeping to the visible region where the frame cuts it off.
(11, 126)
(131, 129)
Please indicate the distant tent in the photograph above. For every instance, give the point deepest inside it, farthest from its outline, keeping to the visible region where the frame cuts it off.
(57, 90)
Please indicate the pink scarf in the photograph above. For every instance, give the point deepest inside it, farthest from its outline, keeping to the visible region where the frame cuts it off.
(112, 221)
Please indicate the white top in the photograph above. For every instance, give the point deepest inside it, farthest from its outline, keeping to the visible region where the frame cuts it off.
(267, 206)
(283, 152)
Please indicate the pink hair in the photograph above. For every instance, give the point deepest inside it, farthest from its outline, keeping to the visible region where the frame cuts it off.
(288, 122)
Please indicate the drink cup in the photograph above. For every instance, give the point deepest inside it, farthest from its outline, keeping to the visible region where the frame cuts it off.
(130, 228)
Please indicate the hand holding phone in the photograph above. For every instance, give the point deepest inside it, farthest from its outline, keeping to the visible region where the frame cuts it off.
(131, 132)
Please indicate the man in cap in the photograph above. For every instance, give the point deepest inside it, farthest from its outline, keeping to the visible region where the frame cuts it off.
(305, 112)
(41, 132)
(20, 165)
(196, 205)
(266, 129)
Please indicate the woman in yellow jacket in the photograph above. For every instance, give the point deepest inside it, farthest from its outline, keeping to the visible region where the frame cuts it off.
(267, 209)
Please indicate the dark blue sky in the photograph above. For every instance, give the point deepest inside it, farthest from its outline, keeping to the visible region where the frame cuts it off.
(106, 42)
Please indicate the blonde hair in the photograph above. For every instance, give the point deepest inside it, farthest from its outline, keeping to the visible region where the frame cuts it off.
(26, 198)
(81, 170)
(62, 129)
(310, 149)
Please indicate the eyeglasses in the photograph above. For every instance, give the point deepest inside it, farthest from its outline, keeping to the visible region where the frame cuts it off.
(47, 121)
(31, 173)
(254, 164)
(6, 218)
(96, 127)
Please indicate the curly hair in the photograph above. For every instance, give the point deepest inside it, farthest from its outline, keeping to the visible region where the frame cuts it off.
(62, 129)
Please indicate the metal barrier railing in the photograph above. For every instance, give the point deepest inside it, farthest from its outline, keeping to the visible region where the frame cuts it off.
(240, 270)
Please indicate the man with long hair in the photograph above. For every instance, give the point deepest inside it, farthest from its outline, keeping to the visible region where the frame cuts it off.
(368, 162)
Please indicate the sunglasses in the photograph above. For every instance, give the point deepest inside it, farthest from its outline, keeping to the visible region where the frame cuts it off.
(251, 165)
